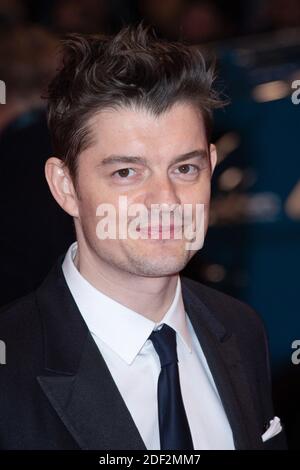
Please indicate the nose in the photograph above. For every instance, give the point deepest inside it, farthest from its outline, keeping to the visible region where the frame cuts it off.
(162, 192)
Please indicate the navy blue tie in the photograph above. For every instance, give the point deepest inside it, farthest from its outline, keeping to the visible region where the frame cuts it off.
(174, 428)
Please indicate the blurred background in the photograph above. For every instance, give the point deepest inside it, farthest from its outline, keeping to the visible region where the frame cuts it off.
(252, 249)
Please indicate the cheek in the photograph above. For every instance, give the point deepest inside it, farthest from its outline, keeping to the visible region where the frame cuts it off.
(85, 224)
(205, 191)
(199, 194)
(88, 211)
(91, 195)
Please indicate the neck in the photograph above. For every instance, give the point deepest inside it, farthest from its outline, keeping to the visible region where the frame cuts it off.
(148, 296)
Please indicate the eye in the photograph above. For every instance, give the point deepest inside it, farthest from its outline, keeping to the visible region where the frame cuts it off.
(123, 173)
(188, 169)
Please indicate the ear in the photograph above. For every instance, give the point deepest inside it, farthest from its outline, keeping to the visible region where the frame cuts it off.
(61, 185)
(213, 157)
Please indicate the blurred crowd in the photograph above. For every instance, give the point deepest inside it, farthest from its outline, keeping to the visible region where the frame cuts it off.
(29, 36)
(30, 30)
(260, 43)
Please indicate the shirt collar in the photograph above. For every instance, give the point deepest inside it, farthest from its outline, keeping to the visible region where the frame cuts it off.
(111, 321)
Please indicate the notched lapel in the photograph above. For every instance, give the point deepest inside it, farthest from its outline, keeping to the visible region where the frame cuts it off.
(90, 405)
(223, 357)
(77, 380)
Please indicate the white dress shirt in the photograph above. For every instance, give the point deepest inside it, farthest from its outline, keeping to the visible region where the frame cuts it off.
(121, 335)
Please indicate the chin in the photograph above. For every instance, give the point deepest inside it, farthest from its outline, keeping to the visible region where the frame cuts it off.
(166, 266)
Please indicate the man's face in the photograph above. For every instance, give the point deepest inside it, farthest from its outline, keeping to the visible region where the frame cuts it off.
(161, 172)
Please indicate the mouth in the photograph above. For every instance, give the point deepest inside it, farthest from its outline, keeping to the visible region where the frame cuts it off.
(160, 231)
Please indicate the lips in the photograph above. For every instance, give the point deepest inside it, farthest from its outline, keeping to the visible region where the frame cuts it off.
(160, 230)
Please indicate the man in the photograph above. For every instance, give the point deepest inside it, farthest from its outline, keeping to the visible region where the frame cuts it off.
(115, 350)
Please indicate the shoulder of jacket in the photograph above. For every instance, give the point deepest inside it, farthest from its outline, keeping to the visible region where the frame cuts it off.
(228, 309)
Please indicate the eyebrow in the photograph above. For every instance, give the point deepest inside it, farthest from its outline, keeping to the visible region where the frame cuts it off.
(111, 159)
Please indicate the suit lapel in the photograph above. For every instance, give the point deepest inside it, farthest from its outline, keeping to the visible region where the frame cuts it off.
(77, 380)
(80, 388)
(223, 357)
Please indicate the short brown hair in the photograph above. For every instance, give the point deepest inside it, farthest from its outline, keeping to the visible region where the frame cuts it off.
(132, 68)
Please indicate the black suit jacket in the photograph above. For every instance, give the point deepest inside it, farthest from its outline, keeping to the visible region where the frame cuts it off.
(56, 391)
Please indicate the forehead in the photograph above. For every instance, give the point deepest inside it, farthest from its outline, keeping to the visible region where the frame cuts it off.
(137, 131)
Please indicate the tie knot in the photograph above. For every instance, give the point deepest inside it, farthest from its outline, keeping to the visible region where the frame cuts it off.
(164, 342)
